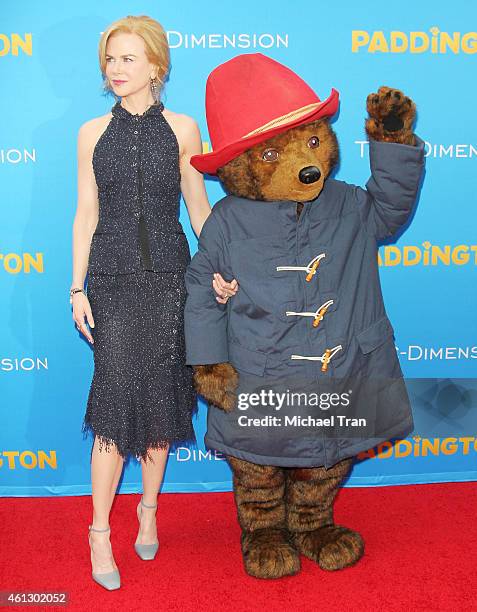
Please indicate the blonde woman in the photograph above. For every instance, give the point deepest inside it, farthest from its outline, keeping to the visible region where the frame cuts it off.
(133, 165)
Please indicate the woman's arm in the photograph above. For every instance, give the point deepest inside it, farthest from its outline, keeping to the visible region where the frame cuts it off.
(193, 188)
(85, 222)
(192, 181)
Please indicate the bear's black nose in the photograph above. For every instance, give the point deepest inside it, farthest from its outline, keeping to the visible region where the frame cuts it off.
(309, 175)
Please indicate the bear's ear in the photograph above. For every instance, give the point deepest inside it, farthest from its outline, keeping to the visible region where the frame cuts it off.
(238, 178)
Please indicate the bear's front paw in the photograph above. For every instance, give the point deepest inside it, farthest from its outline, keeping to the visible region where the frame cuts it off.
(217, 383)
(391, 115)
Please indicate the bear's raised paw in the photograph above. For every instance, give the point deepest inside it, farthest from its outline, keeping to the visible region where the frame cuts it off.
(391, 115)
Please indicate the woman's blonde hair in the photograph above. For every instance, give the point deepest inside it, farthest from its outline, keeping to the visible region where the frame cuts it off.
(155, 41)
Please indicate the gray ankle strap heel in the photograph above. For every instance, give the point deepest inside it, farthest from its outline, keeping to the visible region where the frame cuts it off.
(147, 505)
(146, 552)
(110, 580)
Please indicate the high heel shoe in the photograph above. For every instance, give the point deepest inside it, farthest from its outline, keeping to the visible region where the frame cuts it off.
(109, 580)
(146, 552)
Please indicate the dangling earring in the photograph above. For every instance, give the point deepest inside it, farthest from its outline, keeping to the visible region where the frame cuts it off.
(154, 89)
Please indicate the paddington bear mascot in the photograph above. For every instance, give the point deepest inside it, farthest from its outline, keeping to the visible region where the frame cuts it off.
(309, 308)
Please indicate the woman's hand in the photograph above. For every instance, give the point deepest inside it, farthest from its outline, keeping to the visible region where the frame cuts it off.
(82, 311)
(223, 289)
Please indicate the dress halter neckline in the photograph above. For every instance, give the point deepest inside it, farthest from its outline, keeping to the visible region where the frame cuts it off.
(119, 111)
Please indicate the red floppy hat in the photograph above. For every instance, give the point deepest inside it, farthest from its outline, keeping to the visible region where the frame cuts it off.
(251, 98)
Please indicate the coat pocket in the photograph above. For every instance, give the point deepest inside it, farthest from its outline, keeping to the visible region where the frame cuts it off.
(245, 360)
(379, 378)
(375, 335)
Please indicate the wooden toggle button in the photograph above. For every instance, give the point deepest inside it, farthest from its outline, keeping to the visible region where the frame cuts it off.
(326, 360)
(319, 317)
(311, 273)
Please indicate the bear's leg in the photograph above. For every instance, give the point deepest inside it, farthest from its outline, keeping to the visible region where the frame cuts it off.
(260, 498)
(310, 496)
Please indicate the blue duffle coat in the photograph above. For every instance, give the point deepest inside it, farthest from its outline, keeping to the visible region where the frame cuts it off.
(309, 308)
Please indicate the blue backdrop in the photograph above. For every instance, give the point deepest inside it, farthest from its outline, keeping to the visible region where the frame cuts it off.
(51, 85)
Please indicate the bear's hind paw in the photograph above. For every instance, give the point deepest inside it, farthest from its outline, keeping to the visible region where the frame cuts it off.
(268, 553)
(332, 547)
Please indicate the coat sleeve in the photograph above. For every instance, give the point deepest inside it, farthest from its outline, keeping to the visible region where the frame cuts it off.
(391, 192)
(205, 319)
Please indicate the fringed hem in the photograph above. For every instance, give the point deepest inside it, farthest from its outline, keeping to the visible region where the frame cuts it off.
(106, 442)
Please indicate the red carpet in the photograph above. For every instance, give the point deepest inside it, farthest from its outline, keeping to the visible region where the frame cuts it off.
(421, 554)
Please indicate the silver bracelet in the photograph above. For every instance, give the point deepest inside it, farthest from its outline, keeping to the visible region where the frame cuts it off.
(75, 290)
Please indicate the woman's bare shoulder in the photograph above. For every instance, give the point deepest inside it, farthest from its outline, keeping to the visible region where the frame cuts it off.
(90, 132)
(182, 122)
(184, 127)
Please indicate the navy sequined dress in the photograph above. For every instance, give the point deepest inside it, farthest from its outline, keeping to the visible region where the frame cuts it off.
(142, 393)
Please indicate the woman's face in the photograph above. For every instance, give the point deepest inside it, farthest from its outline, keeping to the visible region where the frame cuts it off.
(127, 67)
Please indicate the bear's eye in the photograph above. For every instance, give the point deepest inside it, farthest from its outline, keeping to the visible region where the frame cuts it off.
(270, 155)
(314, 142)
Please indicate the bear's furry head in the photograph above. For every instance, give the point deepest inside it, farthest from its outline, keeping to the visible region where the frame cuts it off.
(291, 166)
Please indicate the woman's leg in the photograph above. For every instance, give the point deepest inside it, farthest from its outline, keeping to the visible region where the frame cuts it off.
(116, 479)
(106, 468)
(152, 474)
